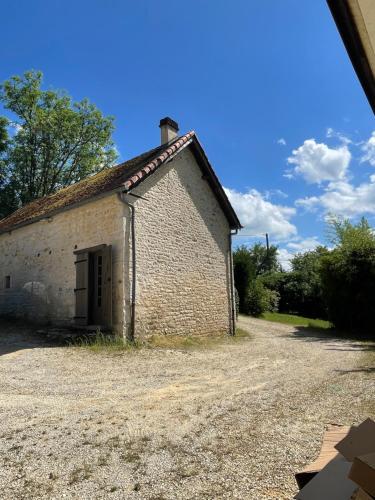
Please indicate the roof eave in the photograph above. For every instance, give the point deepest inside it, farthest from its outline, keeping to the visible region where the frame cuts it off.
(189, 139)
(351, 37)
(53, 213)
(216, 186)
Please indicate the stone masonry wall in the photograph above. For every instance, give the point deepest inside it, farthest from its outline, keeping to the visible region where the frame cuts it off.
(40, 262)
(182, 251)
(183, 273)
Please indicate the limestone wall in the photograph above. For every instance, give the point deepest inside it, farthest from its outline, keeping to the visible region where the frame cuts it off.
(40, 262)
(183, 274)
(182, 257)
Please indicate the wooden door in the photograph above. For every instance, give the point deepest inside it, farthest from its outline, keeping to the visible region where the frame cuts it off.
(101, 296)
(81, 290)
(93, 292)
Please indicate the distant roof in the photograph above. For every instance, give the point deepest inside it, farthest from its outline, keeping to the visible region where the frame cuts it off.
(123, 177)
(355, 20)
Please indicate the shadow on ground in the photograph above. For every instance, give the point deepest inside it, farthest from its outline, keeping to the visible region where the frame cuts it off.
(349, 341)
(365, 369)
(337, 341)
(16, 336)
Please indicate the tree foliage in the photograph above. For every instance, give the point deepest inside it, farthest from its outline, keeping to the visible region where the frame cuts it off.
(249, 264)
(260, 299)
(303, 288)
(263, 260)
(337, 284)
(56, 142)
(348, 276)
(244, 273)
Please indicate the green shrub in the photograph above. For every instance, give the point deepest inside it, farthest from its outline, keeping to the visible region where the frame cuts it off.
(260, 299)
(348, 277)
(349, 289)
(243, 274)
(300, 289)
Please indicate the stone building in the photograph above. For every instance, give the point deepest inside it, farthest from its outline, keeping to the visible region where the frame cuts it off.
(141, 248)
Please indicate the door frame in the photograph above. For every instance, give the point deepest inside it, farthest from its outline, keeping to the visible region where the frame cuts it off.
(84, 294)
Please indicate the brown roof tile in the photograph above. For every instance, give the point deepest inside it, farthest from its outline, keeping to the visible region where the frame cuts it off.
(126, 175)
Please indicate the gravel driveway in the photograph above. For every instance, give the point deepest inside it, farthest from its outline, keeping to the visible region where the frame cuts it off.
(231, 421)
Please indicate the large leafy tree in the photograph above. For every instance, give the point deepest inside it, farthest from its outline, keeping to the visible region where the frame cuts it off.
(56, 142)
(264, 260)
(8, 201)
(249, 264)
(348, 276)
(302, 292)
(244, 273)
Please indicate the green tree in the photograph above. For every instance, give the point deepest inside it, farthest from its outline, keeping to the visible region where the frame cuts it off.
(264, 260)
(250, 263)
(348, 276)
(300, 289)
(303, 288)
(7, 195)
(57, 141)
(3, 136)
(244, 273)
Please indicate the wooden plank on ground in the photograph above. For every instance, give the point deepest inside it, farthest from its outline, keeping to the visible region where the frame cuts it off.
(333, 435)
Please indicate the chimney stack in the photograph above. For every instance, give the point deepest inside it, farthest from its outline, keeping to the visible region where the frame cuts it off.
(169, 129)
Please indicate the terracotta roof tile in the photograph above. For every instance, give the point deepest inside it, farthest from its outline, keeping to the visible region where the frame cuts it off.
(126, 175)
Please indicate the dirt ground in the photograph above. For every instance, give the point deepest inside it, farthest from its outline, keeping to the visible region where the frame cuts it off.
(235, 420)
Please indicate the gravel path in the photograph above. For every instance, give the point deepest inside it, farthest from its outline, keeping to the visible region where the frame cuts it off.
(231, 421)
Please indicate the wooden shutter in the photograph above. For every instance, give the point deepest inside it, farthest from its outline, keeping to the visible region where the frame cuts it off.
(107, 285)
(81, 290)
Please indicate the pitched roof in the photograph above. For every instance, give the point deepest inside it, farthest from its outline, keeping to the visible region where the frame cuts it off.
(123, 177)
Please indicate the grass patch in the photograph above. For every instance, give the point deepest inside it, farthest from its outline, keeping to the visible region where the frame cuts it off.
(104, 342)
(178, 341)
(292, 319)
(101, 342)
(193, 342)
(240, 333)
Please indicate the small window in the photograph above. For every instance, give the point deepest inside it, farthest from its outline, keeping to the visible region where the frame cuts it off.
(7, 281)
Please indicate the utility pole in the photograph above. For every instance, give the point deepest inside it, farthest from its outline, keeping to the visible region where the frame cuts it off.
(268, 244)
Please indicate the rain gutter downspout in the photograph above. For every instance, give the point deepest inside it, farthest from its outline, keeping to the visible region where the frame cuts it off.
(131, 207)
(233, 297)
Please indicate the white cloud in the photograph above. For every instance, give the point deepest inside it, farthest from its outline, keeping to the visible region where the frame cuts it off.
(284, 257)
(303, 244)
(274, 192)
(316, 162)
(331, 133)
(281, 141)
(344, 199)
(368, 149)
(310, 203)
(259, 216)
(298, 245)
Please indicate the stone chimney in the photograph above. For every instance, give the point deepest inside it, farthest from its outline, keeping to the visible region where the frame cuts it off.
(169, 129)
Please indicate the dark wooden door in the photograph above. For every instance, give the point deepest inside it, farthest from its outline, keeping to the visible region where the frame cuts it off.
(93, 292)
(81, 290)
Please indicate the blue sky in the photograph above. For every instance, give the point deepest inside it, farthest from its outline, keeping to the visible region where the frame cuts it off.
(266, 84)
